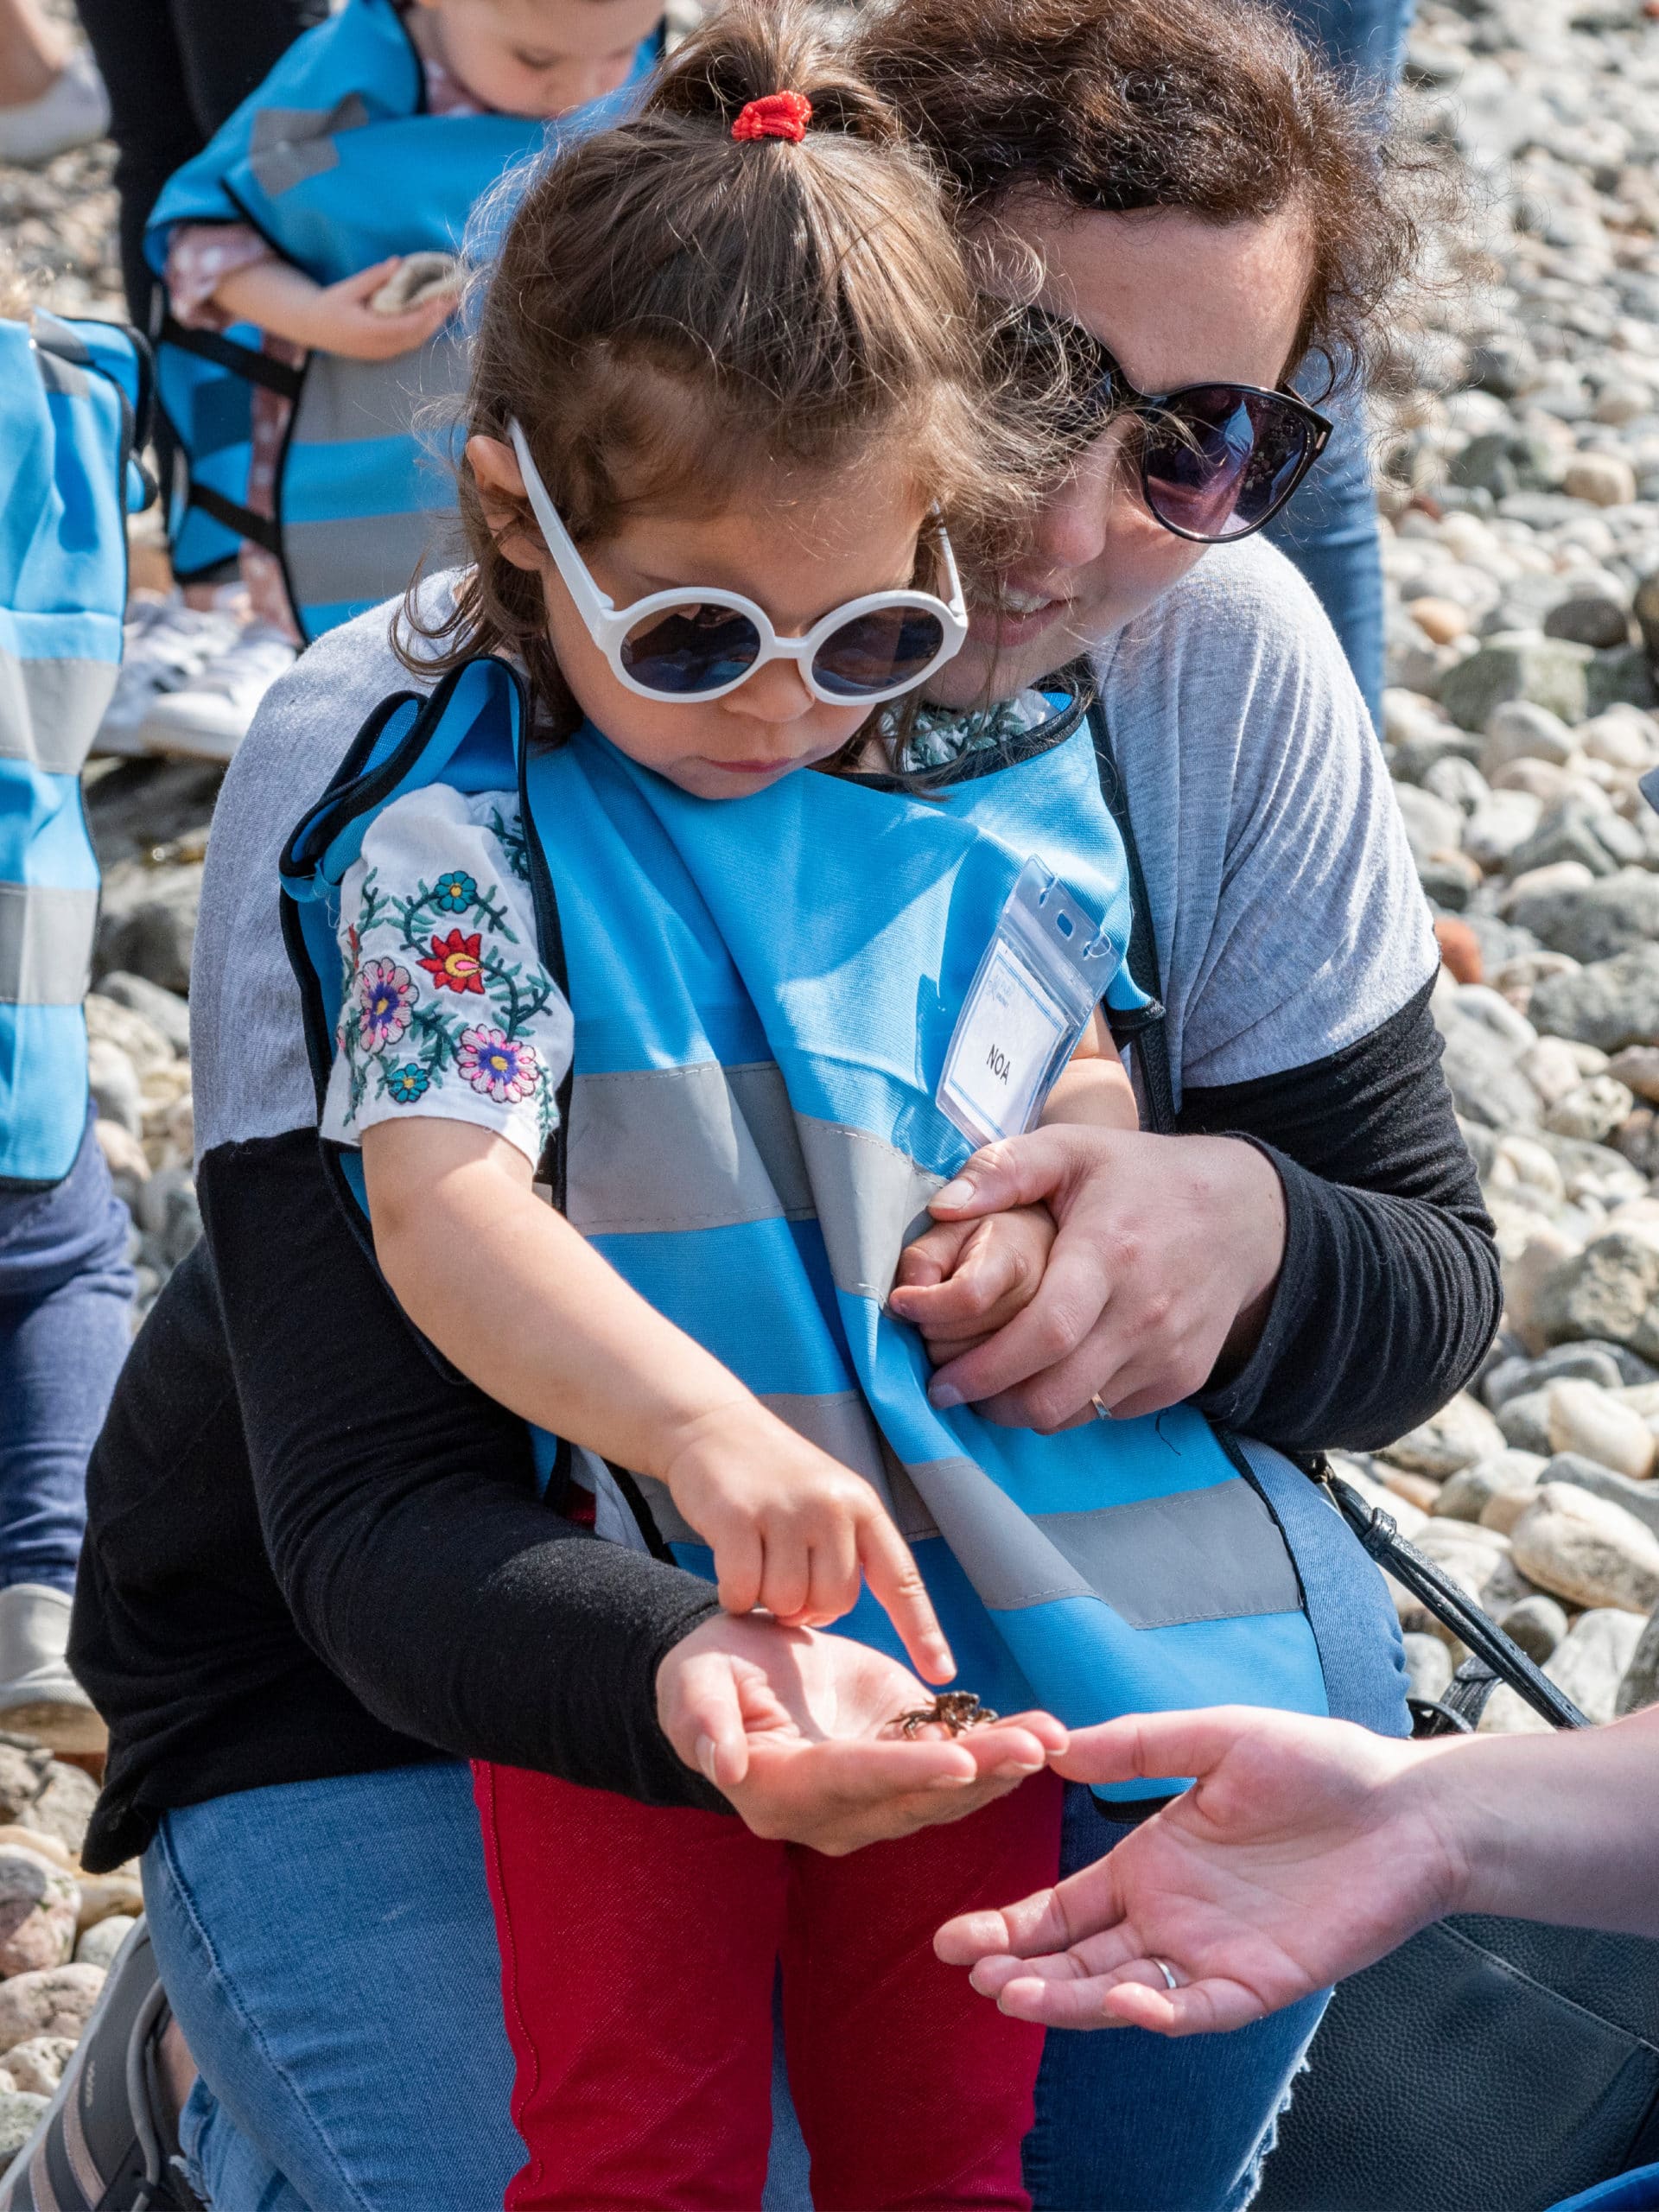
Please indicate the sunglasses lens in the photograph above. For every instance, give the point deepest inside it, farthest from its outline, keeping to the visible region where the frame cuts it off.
(1220, 461)
(684, 653)
(883, 651)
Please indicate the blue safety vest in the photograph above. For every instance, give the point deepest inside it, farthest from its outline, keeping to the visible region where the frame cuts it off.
(72, 400)
(763, 991)
(334, 162)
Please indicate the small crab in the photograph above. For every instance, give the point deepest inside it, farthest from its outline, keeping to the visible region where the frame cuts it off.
(954, 1711)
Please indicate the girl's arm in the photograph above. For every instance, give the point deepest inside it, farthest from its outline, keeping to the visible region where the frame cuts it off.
(327, 318)
(544, 1325)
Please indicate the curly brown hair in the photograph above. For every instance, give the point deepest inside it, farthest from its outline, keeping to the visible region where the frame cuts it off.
(680, 319)
(1215, 107)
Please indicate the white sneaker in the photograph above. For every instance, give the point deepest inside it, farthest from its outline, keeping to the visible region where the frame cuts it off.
(167, 644)
(207, 718)
(73, 110)
(39, 1696)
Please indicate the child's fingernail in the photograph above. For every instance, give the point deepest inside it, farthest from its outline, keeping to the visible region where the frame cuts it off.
(950, 1782)
(706, 1756)
(1012, 1770)
(944, 1396)
(956, 1193)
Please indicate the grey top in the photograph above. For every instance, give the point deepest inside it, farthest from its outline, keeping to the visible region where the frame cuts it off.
(1286, 909)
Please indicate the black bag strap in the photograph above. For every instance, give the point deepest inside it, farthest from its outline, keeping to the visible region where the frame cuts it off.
(244, 361)
(1146, 1030)
(1500, 1658)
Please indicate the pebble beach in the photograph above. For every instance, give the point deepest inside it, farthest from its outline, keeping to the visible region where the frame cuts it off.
(1519, 485)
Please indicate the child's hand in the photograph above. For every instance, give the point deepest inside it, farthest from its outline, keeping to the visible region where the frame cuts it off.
(791, 1529)
(963, 1280)
(339, 320)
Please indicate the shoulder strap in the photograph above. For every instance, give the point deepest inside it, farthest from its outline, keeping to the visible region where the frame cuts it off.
(1498, 1655)
(1146, 1030)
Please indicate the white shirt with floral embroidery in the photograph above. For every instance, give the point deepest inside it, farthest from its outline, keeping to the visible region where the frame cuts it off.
(447, 1010)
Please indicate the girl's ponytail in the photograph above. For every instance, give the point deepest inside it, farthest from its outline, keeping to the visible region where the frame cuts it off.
(742, 54)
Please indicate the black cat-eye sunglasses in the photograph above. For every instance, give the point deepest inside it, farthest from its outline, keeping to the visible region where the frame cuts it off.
(1216, 461)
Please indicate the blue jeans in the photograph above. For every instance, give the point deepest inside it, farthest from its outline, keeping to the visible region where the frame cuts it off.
(66, 1291)
(329, 1950)
(1329, 528)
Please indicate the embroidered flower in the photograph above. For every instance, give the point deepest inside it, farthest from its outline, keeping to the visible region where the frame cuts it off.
(408, 1082)
(455, 891)
(384, 991)
(492, 1062)
(456, 964)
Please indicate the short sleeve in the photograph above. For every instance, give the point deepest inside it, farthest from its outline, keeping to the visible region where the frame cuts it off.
(200, 256)
(448, 1009)
(1287, 910)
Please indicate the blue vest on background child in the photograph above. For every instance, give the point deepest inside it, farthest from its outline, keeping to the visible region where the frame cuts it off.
(764, 990)
(335, 163)
(72, 400)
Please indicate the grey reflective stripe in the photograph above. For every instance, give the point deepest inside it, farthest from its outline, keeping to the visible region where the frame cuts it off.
(1207, 1554)
(360, 557)
(998, 1546)
(46, 945)
(58, 375)
(289, 145)
(343, 400)
(872, 1200)
(1210, 1554)
(671, 1526)
(703, 1146)
(50, 710)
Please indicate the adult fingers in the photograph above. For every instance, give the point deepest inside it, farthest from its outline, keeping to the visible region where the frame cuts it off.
(1142, 1746)
(1044, 1924)
(1017, 1171)
(1136, 1996)
(1063, 1317)
(896, 1583)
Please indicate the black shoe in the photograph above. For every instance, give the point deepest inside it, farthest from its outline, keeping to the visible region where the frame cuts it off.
(107, 2143)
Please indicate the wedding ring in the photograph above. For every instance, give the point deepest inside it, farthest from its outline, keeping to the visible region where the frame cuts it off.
(1102, 1412)
(1167, 1972)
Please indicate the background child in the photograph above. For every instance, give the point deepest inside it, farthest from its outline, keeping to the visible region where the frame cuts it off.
(379, 130)
(743, 342)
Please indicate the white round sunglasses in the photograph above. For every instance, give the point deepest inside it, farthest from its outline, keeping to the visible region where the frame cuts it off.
(695, 645)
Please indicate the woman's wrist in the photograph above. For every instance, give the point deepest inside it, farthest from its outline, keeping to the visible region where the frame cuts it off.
(1250, 1200)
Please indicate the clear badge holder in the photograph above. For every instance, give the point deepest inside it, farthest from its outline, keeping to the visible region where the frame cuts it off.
(1043, 974)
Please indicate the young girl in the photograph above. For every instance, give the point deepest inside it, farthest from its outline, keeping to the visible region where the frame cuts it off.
(319, 229)
(727, 421)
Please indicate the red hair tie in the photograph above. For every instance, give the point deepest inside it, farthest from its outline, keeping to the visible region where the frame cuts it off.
(779, 114)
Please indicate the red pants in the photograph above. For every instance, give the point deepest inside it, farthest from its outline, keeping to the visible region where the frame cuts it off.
(638, 1951)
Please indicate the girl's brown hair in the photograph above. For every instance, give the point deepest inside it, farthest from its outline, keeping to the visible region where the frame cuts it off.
(1215, 107)
(679, 319)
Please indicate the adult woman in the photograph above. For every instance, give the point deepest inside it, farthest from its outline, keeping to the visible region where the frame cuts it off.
(271, 1672)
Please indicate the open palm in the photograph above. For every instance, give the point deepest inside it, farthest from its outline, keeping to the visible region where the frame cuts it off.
(796, 1729)
(1296, 1858)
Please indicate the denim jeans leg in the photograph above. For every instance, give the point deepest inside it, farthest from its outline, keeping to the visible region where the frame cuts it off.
(1329, 530)
(65, 1294)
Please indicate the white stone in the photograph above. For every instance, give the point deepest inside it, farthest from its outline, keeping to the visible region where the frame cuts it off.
(1582, 1417)
(1588, 1666)
(1459, 1434)
(1584, 1549)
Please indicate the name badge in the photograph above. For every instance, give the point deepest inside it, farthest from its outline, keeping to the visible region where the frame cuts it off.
(1032, 995)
